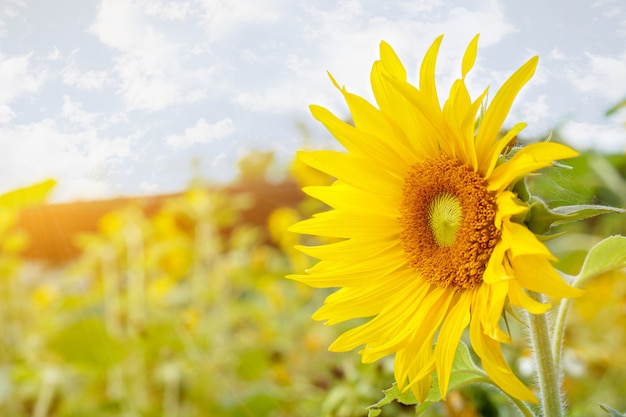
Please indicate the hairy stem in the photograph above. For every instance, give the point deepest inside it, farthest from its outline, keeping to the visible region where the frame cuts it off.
(559, 332)
(548, 376)
(522, 407)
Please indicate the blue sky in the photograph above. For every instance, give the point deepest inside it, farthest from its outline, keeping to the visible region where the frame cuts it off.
(117, 97)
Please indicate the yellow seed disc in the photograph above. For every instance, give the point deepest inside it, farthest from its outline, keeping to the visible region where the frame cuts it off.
(444, 217)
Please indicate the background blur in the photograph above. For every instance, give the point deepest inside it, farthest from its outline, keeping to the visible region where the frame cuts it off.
(147, 279)
(177, 305)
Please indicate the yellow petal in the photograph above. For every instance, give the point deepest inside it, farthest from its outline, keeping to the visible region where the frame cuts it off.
(420, 374)
(384, 326)
(497, 111)
(392, 63)
(537, 274)
(353, 171)
(347, 225)
(364, 144)
(417, 366)
(332, 274)
(495, 294)
(363, 301)
(454, 111)
(495, 271)
(508, 206)
(469, 58)
(528, 159)
(372, 260)
(518, 297)
(491, 356)
(523, 242)
(456, 321)
(349, 277)
(392, 103)
(427, 72)
(349, 249)
(502, 143)
(420, 327)
(468, 126)
(343, 196)
(429, 119)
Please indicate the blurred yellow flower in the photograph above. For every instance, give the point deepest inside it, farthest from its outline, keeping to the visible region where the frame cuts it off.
(424, 203)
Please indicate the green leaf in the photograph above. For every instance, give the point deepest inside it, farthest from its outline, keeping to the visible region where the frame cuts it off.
(392, 394)
(541, 218)
(605, 256)
(464, 372)
(611, 411)
(86, 342)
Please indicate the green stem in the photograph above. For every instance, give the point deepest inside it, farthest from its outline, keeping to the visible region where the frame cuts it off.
(559, 325)
(522, 407)
(548, 375)
(559, 332)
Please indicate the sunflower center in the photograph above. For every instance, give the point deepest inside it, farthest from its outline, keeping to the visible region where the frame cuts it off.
(448, 223)
(444, 218)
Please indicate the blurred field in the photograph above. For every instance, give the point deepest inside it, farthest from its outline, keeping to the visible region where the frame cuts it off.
(177, 306)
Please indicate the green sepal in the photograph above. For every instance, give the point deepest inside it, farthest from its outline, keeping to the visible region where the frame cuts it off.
(464, 372)
(392, 394)
(612, 412)
(540, 218)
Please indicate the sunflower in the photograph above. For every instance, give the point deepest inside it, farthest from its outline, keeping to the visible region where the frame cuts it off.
(431, 233)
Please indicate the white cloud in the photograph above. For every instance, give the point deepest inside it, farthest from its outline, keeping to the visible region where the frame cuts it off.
(535, 111)
(36, 151)
(73, 111)
(609, 8)
(610, 137)
(6, 114)
(344, 39)
(83, 189)
(152, 63)
(220, 161)
(168, 10)
(144, 86)
(145, 54)
(54, 55)
(16, 77)
(84, 80)
(201, 132)
(222, 18)
(8, 11)
(282, 99)
(148, 187)
(556, 54)
(119, 24)
(603, 75)
(413, 7)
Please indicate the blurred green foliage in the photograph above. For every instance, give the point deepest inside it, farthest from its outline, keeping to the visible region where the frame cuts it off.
(166, 315)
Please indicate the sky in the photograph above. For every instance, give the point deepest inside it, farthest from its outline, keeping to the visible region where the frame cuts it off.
(119, 97)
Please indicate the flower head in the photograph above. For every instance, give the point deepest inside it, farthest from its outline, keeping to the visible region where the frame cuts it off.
(431, 240)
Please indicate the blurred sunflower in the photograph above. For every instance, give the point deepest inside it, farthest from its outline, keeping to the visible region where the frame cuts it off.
(432, 239)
